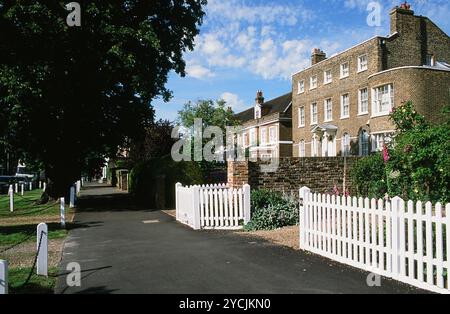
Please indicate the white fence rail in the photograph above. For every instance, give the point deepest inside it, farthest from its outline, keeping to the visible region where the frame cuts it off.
(406, 241)
(213, 206)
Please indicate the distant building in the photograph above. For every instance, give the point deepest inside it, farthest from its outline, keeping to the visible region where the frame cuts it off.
(341, 104)
(267, 128)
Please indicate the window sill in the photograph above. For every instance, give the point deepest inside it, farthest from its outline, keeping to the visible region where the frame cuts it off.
(363, 114)
(327, 83)
(313, 88)
(344, 77)
(381, 114)
(345, 118)
(361, 71)
(327, 121)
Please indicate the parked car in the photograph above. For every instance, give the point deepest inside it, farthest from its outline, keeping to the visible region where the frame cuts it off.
(5, 182)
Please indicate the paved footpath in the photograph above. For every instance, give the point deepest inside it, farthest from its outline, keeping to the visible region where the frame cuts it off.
(119, 253)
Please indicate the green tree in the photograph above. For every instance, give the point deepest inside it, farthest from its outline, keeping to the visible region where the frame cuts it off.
(69, 94)
(212, 114)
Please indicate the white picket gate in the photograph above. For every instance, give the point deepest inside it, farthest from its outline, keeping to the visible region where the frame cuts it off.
(213, 206)
(396, 239)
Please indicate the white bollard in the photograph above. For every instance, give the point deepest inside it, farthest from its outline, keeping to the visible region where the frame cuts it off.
(11, 198)
(40, 184)
(31, 186)
(63, 213)
(78, 184)
(44, 187)
(16, 188)
(3, 277)
(22, 189)
(72, 197)
(42, 259)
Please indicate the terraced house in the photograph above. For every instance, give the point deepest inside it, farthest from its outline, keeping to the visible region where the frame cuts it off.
(341, 104)
(267, 128)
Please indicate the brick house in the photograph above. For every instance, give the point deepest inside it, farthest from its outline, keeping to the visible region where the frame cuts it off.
(267, 128)
(341, 104)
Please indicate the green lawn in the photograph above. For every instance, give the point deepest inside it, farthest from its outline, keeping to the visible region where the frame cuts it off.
(18, 230)
(10, 235)
(26, 205)
(36, 285)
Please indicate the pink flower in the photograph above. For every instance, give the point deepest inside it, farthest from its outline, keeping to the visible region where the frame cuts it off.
(336, 190)
(386, 156)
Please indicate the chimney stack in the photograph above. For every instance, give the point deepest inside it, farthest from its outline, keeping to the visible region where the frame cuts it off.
(259, 97)
(402, 18)
(317, 56)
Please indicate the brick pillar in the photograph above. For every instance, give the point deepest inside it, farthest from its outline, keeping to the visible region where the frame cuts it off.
(237, 173)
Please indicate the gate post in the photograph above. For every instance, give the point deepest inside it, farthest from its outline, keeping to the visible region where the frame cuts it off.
(304, 195)
(196, 207)
(177, 201)
(247, 204)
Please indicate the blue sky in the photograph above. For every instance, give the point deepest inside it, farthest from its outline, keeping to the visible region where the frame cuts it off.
(246, 45)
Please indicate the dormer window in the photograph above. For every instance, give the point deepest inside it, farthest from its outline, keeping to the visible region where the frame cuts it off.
(431, 60)
(257, 112)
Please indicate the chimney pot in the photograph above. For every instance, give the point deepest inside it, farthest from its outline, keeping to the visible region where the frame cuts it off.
(317, 56)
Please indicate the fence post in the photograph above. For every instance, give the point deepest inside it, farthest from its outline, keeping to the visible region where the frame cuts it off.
(63, 212)
(303, 195)
(22, 189)
(72, 197)
(396, 203)
(31, 186)
(3, 277)
(196, 207)
(177, 204)
(42, 247)
(11, 198)
(247, 204)
(16, 188)
(44, 187)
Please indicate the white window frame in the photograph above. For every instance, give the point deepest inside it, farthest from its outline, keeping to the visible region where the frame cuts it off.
(343, 75)
(257, 112)
(263, 136)
(301, 87)
(377, 103)
(273, 136)
(360, 64)
(360, 140)
(253, 138)
(346, 144)
(327, 77)
(302, 149)
(328, 118)
(311, 85)
(360, 101)
(314, 114)
(301, 117)
(343, 115)
(314, 146)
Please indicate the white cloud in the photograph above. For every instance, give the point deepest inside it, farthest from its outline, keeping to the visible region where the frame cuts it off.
(198, 71)
(233, 101)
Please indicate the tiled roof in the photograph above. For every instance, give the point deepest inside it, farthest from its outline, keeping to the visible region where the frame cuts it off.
(277, 105)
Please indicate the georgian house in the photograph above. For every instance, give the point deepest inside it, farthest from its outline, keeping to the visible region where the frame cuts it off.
(341, 105)
(267, 128)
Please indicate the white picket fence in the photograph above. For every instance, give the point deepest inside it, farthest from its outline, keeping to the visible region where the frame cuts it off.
(406, 241)
(213, 206)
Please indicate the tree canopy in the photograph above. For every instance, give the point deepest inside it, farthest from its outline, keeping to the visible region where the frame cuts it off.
(68, 94)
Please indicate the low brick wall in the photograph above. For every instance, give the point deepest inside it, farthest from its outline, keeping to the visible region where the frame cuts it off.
(319, 174)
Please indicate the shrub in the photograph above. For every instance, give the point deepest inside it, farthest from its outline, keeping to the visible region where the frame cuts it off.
(368, 176)
(144, 175)
(272, 210)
